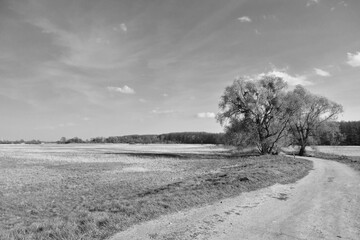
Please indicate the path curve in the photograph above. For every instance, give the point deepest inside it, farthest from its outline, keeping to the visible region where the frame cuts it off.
(323, 205)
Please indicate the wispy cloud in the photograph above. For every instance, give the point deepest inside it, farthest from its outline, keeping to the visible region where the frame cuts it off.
(354, 59)
(60, 125)
(44, 128)
(321, 72)
(158, 111)
(94, 51)
(312, 2)
(245, 19)
(290, 79)
(123, 27)
(270, 17)
(69, 124)
(206, 115)
(343, 3)
(124, 90)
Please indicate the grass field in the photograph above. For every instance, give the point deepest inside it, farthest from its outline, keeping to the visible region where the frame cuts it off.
(350, 151)
(349, 155)
(93, 191)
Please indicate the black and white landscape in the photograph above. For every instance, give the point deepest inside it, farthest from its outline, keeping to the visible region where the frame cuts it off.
(179, 119)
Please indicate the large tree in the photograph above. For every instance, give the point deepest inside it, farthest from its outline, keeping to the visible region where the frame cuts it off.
(256, 112)
(312, 112)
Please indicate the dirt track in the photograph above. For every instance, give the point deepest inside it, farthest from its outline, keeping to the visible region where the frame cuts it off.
(323, 205)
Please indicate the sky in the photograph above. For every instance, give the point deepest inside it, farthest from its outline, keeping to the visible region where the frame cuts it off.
(91, 68)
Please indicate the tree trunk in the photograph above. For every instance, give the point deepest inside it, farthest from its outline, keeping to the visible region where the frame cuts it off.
(264, 149)
(302, 150)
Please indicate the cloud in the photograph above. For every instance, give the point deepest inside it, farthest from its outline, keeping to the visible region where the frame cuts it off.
(142, 100)
(245, 19)
(123, 27)
(321, 72)
(312, 2)
(165, 95)
(96, 51)
(125, 89)
(60, 125)
(69, 124)
(206, 115)
(62, 37)
(290, 79)
(86, 119)
(157, 111)
(45, 128)
(343, 3)
(270, 17)
(354, 59)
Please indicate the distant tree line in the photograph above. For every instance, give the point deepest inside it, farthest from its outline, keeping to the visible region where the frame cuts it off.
(339, 133)
(331, 133)
(20, 142)
(177, 137)
(351, 133)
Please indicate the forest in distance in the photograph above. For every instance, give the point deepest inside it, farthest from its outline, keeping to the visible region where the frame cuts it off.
(348, 135)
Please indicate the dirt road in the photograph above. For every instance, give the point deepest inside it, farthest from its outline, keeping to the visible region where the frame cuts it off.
(323, 205)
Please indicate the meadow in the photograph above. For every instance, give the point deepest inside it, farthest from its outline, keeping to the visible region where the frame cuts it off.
(351, 151)
(349, 155)
(91, 191)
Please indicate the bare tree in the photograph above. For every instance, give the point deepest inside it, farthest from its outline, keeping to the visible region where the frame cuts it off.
(312, 112)
(256, 112)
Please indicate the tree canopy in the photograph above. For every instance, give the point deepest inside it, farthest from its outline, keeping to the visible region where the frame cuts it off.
(256, 112)
(263, 113)
(312, 113)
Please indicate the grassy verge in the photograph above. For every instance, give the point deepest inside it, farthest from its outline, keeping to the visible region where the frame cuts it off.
(352, 161)
(75, 201)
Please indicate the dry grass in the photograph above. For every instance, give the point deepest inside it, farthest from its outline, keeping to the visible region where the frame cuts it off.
(349, 155)
(92, 191)
(351, 151)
